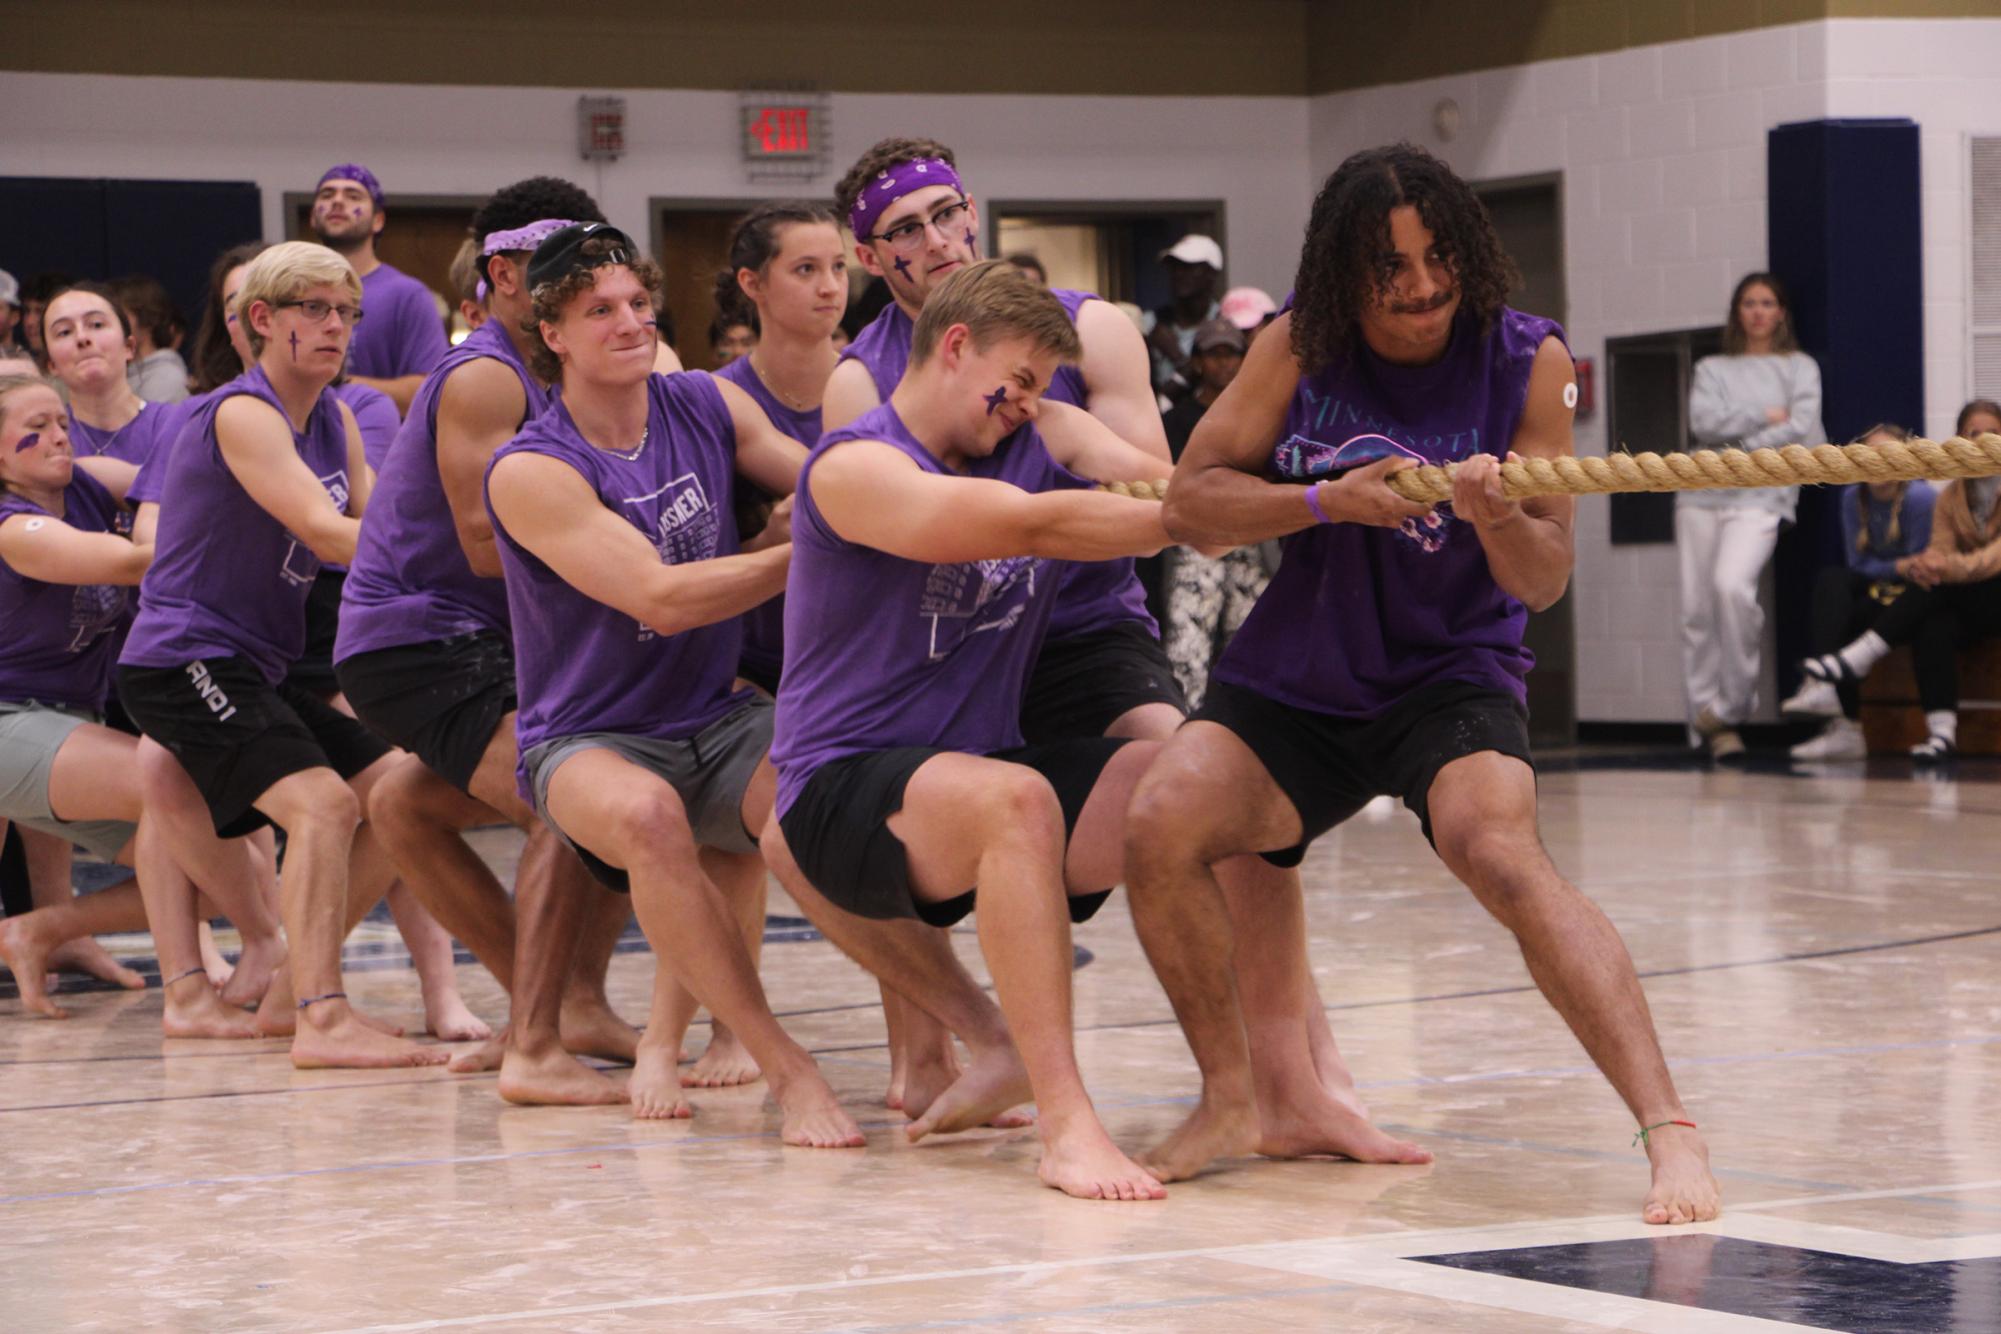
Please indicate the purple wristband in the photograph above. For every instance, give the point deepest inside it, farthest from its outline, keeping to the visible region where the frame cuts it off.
(1313, 503)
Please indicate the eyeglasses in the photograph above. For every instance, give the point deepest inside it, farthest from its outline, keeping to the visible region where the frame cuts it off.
(907, 237)
(317, 311)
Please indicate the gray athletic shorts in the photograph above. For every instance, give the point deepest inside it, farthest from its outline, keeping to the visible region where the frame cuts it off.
(709, 772)
(30, 736)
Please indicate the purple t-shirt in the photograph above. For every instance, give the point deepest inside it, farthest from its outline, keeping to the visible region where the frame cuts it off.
(57, 640)
(375, 413)
(1092, 595)
(764, 625)
(152, 478)
(227, 579)
(400, 332)
(579, 665)
(410, 583)
(885, 652)
(1358, 617)
(134, 442)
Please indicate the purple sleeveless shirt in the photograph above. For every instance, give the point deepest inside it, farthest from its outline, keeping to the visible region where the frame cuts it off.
(375, 414)
(410, 583)
(1091, 596)
(764, 626)
(152, 479)
(57, 640)
(580, 666)
(886, 652)
(1358, 617)
(227, 579)
(134, 442)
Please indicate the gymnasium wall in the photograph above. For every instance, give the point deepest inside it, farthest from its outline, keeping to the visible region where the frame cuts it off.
(1661, 150)
(1248, 152)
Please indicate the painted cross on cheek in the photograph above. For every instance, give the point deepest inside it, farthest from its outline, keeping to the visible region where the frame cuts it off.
(295, 344)
(995, 399)
(972, 241)
(903, 266)
(28, 441)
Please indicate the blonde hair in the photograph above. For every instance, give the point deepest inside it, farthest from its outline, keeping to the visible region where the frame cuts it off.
(465, 272)
(11, 385)
(994, 301)
(283, 273)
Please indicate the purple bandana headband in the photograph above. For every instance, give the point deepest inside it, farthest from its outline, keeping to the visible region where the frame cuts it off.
(360, 175)
(889, 186)
(520, 238)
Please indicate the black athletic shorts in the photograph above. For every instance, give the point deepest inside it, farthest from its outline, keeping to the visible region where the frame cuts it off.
(1332, 767)
(838, 827)
(1082, 685)
(314, 670)
(236, 735)
(442, 701)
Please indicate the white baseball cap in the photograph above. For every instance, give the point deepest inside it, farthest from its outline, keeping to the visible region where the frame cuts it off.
(1196, 249)
(10, 290)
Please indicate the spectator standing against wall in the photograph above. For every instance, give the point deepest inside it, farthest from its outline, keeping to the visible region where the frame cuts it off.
(157, 373)
(401, 336)
(1884, 525)
(1194, 272)
(1761, 392)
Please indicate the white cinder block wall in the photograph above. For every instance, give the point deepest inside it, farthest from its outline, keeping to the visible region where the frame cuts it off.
(1662, 155)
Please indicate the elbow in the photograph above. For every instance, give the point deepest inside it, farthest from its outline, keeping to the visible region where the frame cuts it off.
(1542, 599)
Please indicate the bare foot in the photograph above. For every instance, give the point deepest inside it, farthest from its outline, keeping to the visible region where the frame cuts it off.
(384, 1026)
(1684, 1190)
(813, 1115)
(446, 1017)
(1082, 1161)
(983, 1095)
(86, 956)
(256, 966)
(551, 1077)
(655, 1087)
(1318, 1125)
(1209, 1133)
(486, 1056)
(220, 970)
(917, 1081)
(725, 1064)
(25, 950)
(194, 1010)
(340, 1038)
(1329, 1064)
(592, 1028)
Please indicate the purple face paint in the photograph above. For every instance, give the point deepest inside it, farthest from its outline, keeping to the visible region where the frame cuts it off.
(995, 399)
(295, 344)
(903, 266)
(973, 241)
(28, 441)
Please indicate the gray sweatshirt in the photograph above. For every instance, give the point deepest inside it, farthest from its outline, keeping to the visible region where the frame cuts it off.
(1726, 408)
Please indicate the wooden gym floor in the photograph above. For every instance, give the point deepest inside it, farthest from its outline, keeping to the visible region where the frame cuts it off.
(1820, 952)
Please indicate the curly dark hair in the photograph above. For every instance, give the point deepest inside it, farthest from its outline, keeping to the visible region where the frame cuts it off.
(754, 243)
(886, 154)
(1340, 265)
(532, 200)
(551, 298)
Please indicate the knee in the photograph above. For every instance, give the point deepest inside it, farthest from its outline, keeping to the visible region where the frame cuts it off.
(1022, 802)
(651, 826)
(1168, 823)
(398, 797)
(326, 804)
(1504, 866)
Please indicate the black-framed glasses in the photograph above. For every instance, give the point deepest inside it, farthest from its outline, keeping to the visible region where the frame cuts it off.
(317, 311)
(907, 237)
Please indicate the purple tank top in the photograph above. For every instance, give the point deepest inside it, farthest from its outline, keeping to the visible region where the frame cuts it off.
(1357, 617)
(1090, 596)
(227, 579)
(57, 640)
(375, 413)
(764, 625)
(885, 652)
(152, 478)
(580, 666)
(410, 583)
(134, 442)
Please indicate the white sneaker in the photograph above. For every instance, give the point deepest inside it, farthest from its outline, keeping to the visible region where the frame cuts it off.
(1840, 740)
(1814, 699)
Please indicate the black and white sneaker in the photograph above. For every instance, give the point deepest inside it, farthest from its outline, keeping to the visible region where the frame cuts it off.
(1934, 749)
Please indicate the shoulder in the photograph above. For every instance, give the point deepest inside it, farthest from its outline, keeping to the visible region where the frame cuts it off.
(482, 383)
(240, 409)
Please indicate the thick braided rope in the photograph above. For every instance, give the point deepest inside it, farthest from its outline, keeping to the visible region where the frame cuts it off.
(1140, 490)
(1704, 469)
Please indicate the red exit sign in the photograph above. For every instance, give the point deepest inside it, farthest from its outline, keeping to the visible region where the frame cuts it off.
(780, 131)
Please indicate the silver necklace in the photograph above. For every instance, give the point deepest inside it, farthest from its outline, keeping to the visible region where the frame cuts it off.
(636, 450)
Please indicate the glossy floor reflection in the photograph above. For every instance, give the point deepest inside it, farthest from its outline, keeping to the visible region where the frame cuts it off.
(1821, 955)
